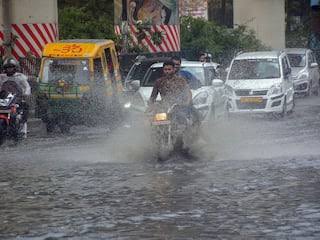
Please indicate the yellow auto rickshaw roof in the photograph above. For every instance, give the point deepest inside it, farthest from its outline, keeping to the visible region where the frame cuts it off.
(75, 48)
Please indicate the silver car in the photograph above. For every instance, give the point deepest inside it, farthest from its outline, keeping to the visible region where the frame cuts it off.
(209, 98)
(305, 70)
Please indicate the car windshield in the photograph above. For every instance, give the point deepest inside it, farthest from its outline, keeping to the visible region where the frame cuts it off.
(156, 72)
(75, 71)
(138, 71)
(297, 60)
(255, 69)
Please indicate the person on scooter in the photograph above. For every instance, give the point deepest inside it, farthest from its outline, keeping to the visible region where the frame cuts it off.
(10, 69)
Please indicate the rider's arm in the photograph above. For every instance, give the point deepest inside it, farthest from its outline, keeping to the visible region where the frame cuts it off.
(154, 93)
(187, 90)
(27, 88)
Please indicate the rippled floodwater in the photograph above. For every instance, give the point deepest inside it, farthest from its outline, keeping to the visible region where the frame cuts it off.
(258, 181)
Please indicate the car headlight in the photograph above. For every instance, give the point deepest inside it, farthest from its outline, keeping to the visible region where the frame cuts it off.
(201, 98)
(229, 91)
(303, 76)
(275, 90)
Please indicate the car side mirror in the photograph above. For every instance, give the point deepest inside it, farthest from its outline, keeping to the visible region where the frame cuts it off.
(313, 65)
(135, 85)
(217, 83)
(227, 69)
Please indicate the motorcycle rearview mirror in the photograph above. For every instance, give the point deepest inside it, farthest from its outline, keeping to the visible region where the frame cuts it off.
(217, 83)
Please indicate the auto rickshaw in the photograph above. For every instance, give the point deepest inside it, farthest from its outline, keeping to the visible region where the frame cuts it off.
(79, 83)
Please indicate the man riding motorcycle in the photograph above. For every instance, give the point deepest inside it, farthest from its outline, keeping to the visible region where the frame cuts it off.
(176, 98)
(11, 67)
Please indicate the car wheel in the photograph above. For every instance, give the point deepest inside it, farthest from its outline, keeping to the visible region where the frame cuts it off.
(293, 106)
(309, 92)
(50, 125)
(284, 108)
(317, 90)
(212, 116)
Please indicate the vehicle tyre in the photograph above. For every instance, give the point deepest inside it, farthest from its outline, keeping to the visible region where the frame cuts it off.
(64, 128)
(2, 132)
(226, 115)
(212, 116)
(317, 90)
(309, 92)
(284, 108)
(50, 125)
(293, 106)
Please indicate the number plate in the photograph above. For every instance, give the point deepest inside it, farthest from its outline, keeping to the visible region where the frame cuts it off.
(251, 100)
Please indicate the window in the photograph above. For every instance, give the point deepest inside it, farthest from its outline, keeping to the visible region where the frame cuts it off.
(285, 66)
(297, 60)
(310, 59)
(221, 11)
(72, 71)
(152, 76)
(98, 71)
(255, 69)
(107, 52)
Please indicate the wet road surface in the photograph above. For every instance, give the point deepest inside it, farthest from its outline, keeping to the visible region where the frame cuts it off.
(257, 178)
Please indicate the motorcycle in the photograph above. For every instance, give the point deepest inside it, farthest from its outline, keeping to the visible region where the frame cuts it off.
(172, 130)
(11, 114)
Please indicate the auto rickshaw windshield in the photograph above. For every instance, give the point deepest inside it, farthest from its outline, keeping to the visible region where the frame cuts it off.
(72, 71)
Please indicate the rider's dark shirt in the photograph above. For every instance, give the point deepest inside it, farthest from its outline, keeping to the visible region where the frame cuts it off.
(172, 89)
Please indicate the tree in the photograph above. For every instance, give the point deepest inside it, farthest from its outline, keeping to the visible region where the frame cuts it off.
(86, 19)
(198, 35)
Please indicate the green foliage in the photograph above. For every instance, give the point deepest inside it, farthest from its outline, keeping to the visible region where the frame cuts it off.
(86, 19)
(200, 35)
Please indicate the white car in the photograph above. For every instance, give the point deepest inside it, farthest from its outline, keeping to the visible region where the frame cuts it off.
(260, 82)
(305, 70)
(209, 98)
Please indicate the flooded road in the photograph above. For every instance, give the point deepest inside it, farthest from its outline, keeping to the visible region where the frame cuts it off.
(256, 178)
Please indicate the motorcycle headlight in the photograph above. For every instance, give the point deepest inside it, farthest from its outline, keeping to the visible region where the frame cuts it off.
(201, 98)
(275, 90)
(160, 117)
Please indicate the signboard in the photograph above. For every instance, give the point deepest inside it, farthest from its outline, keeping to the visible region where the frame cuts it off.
(194, 8)
(155, 12)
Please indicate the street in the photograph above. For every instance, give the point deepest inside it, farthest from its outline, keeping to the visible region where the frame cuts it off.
(258, 177)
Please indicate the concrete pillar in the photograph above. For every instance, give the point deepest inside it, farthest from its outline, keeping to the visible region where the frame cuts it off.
(6, 26)
(265, 17)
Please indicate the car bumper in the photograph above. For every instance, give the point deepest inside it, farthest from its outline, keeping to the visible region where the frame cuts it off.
(265, 104)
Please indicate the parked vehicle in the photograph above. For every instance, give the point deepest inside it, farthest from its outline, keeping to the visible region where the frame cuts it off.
(79, 82)
(11, 114)
(260, 82)
(305, 71)
(210, 98)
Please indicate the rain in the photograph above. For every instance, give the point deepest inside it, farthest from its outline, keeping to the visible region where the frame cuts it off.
(250, 173)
